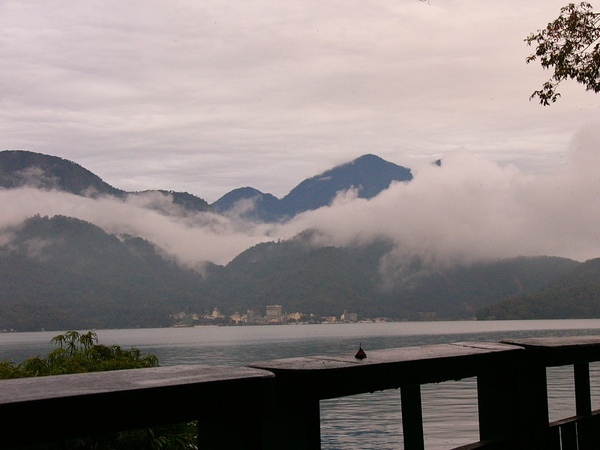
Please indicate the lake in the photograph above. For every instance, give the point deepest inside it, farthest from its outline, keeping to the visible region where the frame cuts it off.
(368, 421)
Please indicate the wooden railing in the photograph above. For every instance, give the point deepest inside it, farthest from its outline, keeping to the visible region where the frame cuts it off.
(275, 404)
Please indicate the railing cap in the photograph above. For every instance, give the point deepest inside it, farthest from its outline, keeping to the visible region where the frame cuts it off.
(394, 356)
(336, 376)
(72, 385)
(559, 351)
(556, 342)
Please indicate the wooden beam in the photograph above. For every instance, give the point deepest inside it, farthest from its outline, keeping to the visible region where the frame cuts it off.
(36, 410)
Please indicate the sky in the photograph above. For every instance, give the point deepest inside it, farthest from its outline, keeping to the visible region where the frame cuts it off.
(205, 97)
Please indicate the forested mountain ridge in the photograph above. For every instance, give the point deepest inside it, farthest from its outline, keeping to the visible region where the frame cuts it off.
(575, 295)
(325, 279)
(19, 168)
(249, 203)
(60, 272)
(64, 273)
(368, 174)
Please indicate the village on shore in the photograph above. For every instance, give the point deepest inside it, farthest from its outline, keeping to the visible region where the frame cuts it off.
(274, 316)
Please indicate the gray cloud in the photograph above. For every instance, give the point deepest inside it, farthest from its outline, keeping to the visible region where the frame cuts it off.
(471, 209)
(194, 239)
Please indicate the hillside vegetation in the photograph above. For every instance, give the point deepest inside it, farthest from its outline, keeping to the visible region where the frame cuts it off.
(64, 273)
(327, 280)
(61, 272)
(576, 295)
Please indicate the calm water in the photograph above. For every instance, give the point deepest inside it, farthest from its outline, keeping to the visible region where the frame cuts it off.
(368, 421)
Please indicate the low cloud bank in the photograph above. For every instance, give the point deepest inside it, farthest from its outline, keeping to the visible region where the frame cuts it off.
(193, 239)
(467, 210)
(470, 209)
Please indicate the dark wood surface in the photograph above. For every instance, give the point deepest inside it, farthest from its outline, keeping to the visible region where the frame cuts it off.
(41, 388)
(558, 351)
(388, 356)
(41, 409)
(336, 376)
(555, 342)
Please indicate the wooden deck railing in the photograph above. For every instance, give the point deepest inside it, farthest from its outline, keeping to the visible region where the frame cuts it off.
(275, 404)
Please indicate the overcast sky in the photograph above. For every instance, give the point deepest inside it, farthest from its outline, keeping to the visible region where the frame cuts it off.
(209, 96)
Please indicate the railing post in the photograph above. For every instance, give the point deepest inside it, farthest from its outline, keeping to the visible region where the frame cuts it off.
(583, 399)
(293, 423)
(533, 406)
(238, 431)
(497, 401)
(583, 406)
(412, 417)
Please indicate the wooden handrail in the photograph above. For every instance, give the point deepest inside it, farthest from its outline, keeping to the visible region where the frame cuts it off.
(407, 368)
(275, 404)
(46, 409)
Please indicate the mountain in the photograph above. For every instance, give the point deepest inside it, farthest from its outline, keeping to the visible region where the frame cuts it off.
(301, 278)
(249, 203)
(61, 272)
(575, 295)
(328, 280)
(64, 273)
(188, 202)
(369, 174)
(20, 168)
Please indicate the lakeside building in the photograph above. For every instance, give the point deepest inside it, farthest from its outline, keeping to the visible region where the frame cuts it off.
(295, 316)
(349, 317)
(274, 313)
(236, 317)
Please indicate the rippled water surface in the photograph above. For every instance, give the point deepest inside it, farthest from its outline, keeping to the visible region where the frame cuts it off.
(367, 421)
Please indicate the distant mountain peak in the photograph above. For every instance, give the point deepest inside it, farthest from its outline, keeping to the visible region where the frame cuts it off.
(370, 174)
(249, 203)
(368, 157)
(19, 168)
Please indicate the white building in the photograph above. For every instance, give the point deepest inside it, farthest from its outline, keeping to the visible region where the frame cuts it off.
(349, 317)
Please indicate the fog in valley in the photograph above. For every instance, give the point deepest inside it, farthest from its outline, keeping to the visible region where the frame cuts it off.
(465, 210)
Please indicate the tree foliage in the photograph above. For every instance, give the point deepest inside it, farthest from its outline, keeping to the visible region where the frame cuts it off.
(79, 353)
(575, 295)
(64, 273)
(568, 45)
